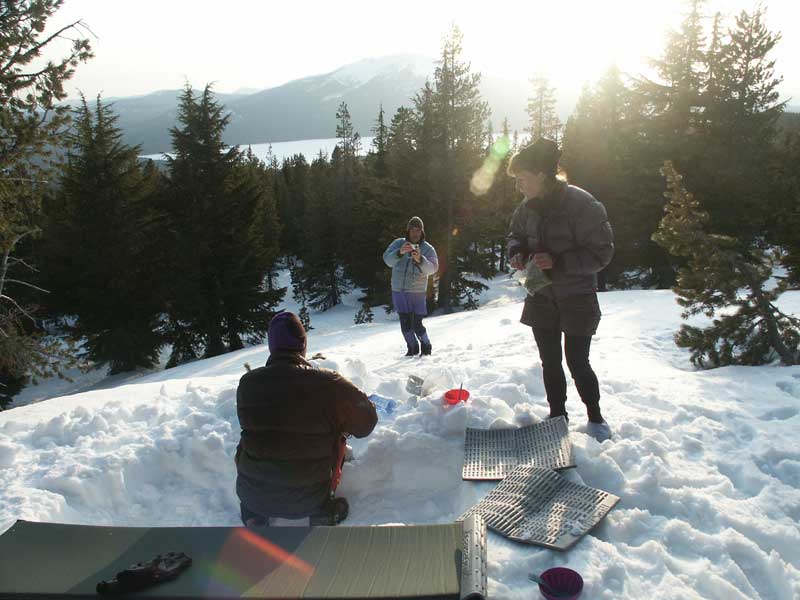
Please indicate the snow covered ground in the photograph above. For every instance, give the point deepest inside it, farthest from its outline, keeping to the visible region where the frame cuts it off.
(707, 463)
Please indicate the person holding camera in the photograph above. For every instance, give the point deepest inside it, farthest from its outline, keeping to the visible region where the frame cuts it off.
(564, 231)
(412, 260)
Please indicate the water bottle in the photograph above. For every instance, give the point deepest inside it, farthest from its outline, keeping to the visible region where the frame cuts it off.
(383, 404)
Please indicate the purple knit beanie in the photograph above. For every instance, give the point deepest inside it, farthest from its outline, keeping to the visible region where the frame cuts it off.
(286, 333)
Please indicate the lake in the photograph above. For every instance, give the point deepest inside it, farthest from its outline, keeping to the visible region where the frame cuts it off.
(308, 148)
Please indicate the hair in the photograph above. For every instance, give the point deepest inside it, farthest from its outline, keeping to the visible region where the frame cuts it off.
(540, 156)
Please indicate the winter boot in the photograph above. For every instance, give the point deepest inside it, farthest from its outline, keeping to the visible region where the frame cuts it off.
(334, 511)
(564, 414)
(412, 351)
(426, 349)
(599, 431)
(339, 508)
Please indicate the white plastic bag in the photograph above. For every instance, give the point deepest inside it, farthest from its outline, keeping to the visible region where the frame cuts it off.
(532, 278)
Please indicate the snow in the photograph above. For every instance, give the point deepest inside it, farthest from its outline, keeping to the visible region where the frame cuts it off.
(361, 72)
(706, 463)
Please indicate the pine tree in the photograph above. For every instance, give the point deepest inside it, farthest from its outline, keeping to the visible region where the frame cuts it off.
(349, 139)
(723, 273)
(319, 272)
(712, 111)
(450, 137)
(345, 200)
(668, 117)
(305, 319)
(787, 216)
(272, 181)
(674, 100)
(377, 157)
(249, 296)
(402, 154)
(345, 181)
(379, 218)
(292, 195)
(743, 111)
(366, 208)
(543, 121)
(100, 244)
(502, 196)
(31, 122)
(602, 153)
(364, 314)
(221, 260)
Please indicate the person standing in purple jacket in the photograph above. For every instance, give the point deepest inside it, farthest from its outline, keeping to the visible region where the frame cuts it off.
(413, 261)
(565, 231)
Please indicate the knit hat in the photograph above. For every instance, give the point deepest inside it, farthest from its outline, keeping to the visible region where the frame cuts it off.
(415, 222)
(286, 333)
(539, 157)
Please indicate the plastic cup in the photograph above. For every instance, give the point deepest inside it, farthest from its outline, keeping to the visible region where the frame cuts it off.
(563, 580)
(456, 396)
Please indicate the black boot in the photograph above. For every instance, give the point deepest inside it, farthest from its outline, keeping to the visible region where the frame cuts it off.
(340, 508)
(426, 349)
(412, 351)
(334, 511)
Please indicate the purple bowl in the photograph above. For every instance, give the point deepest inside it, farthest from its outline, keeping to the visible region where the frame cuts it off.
(562, 580)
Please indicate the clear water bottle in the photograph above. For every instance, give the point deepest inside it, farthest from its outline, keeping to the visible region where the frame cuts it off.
(382, 404)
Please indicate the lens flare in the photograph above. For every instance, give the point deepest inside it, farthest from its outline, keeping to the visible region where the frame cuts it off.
(483, 178)
(244, 562)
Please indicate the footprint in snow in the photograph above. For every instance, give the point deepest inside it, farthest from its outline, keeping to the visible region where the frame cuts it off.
(780, 414)
(790, 387)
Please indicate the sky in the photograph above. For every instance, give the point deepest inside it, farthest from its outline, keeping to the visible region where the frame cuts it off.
(146, 45)
(705, 463)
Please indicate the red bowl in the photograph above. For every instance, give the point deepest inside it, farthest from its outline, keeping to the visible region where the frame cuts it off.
(456, 396)
(562, 580)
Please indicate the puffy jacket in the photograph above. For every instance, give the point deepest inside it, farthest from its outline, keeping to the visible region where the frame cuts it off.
(407, 276)
(570, 225)
(292, 417)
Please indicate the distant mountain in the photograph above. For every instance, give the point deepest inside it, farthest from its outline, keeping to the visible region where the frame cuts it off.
(146, 120)
(306, 108)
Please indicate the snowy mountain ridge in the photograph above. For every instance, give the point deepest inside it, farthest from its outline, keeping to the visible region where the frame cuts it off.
(363, 71)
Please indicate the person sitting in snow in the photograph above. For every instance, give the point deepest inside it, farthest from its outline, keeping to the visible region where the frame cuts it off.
(565, 231)
(412, 260)
(294, 418)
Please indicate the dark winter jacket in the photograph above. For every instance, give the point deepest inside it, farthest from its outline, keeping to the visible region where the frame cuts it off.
(570, 225)
(292, 417)
(407, 276)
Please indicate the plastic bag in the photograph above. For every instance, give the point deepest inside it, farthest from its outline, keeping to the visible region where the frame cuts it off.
(532, 278)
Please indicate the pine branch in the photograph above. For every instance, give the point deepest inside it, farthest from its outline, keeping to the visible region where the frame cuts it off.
(33, 51)
(19, 308)
(14, 261)
(30, 285)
